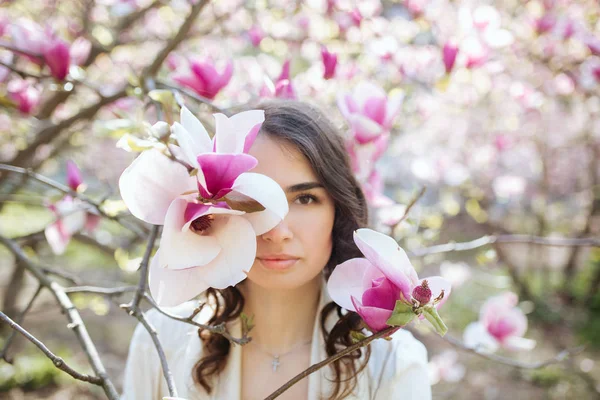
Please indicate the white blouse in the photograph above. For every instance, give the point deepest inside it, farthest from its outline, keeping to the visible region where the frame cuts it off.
(397, 369)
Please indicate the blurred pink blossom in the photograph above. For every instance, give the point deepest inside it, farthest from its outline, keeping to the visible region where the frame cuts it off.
(28, 36)
(501, 324)
(57, 57)
(256, 35)
(329, 63)
(80, 50)
(72, 215)
(24, 94)
(449, 53)
(545, 23)
(6, 57)
(445, 367)
(204, 79)
(369, 111)
(282, 88)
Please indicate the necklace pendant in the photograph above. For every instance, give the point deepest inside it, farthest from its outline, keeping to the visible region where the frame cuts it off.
(275, 363)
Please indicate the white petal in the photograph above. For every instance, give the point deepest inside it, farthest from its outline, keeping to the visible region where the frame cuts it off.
(186, 145)
(173, 287)
(151, 183)
(477, 337)
(199, 138)
(346, 281)
(182, 248)
(519, 343)
(268, 193)
(238, 243)
(231, 132)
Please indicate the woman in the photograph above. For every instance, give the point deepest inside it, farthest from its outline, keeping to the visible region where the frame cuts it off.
(296, 324)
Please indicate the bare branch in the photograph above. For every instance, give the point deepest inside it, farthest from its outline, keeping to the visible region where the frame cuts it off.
(176, 40)
(220, 329)
(57, 361)
(143, 283)
(560, 357)
(20, 317)
(495, 239)
(76, 323)
(410, 205)
(337, 356)
(117, 291)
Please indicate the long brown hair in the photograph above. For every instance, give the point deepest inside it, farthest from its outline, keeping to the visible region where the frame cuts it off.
(306, 128)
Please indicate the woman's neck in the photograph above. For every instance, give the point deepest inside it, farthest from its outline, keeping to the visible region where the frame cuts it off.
(283, 318)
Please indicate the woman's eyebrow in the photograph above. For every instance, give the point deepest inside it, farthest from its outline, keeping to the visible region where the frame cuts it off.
(303, 186)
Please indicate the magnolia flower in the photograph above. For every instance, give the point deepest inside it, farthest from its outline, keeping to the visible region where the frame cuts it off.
(204, 79)
(72, 215)
(329, 63)
(282, 88)
(212, 209)
(57, 57)
(369, 111)
(80, 50)
(24, 94)
(384, 282)
(256, 35)
(445, 367)
(449, 53)
(501, 324)
(28, 36)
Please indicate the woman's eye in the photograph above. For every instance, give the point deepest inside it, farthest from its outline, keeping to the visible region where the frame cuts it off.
(305, 199)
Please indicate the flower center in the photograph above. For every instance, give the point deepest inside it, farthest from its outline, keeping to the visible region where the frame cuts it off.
(202, 223)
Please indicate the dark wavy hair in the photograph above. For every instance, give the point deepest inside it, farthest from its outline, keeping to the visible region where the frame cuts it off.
(309, 131)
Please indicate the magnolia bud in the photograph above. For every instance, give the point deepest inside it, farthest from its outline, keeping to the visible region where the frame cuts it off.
(422, 293)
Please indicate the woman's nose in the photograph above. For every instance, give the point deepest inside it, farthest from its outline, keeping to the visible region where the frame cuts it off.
(279, 233)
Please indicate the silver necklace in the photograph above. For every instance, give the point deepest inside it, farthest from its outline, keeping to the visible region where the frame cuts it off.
(275, 362)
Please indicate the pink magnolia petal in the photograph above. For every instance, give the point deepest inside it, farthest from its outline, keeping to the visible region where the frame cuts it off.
(57, 58)
(182, 248)
(91, 222)
(191, 82)
(393, 107)
(251, 137)
(151, 183)
(375, 318)
(346, 104)
(346, 281)
(372, 273)
(194, 211)
(382, 294)
(73, 175)
(364, 129)
(385, 254)
(365, 90)
(57, 238)
(436, 285)
(375, 109)
(221, 170)
(233, 132)
(172, 287)
(238, 242)
(266, 192)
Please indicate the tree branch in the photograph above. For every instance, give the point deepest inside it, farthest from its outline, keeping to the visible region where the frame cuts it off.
(76, 323)
(57, 361)
(176, 40)
(337, 356)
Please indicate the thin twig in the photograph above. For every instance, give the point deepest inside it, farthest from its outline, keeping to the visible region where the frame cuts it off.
(117, 291)
(19, 320)
(494, 239)
(175, 40)
(75, 321)
(67, 190)
(220, 329)
(143, 283)
(410, 205)
(563, 355)
(57, 361)
(335, 357)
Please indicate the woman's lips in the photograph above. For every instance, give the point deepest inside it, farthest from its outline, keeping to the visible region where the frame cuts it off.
(278, 263)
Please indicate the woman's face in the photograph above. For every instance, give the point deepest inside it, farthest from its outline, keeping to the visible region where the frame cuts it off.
(295, 251)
